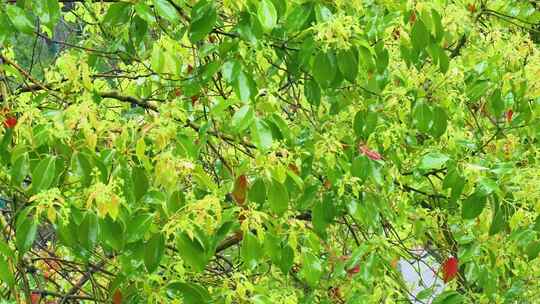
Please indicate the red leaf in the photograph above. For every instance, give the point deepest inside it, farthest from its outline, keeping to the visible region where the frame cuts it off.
(194, 99)
(35, 297)
(240, 189)
(354, 270)
(344, 257)
(450, 269)
(509, 115)
(369, 153)
(117, 297)
(327, 184)
(10, 122)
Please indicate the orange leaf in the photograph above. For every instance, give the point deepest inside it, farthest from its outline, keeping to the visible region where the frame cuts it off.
(240, 189)
(509, 115)
(117, 297)
(412, 17)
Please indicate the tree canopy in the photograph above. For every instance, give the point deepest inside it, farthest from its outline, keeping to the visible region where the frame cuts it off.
(268, 151)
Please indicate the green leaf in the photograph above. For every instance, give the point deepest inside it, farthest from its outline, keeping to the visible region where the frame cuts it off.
(20, 169)
(281, 125)
(60, 168)
(533, 250)
(322, 216)
(242, 119)
(5, 250)
(231, 70)
(382, 58)
(26, 232)
(176, 201)
(166, 10)
(366, 58)
(437, 22)
(364, 123)
(423, 116)
(5, 273)
(137, 226)
(6, 29)
(89, 231)
(157, 60)
(272, 247)
(496, 104)
(267, 14)
(487, 186)
(81, 167)
(298, 17)
(203, 19)
(455, 181)
(287, 259)
(312, 269)
(440, 122)
(249, 29)
(257, 192)
(118, 13)
(191, 293)
(499, 221)
(6, 140)
(220, 236)
(361, 167)
(20, 19)
(281, 7)
(44, 174)
(444, 60)
(68, 233)
(473, 205)
(113, 233)
(425, 294)
(348, 64)
(278, 197)
(260, 299)
(144, 12)
(153, 251)
(537, 224)
(324, 68)
(209, 70)
(140, 181)
(433, 160)
(322, 13)
(244, 87)
(420, 37)
(356, 256)
(261, 135)
(192, 252)
(449, 297)
(312, 91)
(48, 12)
(477, 89)
(251, 250)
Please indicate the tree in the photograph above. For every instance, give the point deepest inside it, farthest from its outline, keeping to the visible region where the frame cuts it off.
(268, 151)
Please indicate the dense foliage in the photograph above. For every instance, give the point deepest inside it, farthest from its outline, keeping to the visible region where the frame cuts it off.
(268, 151)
